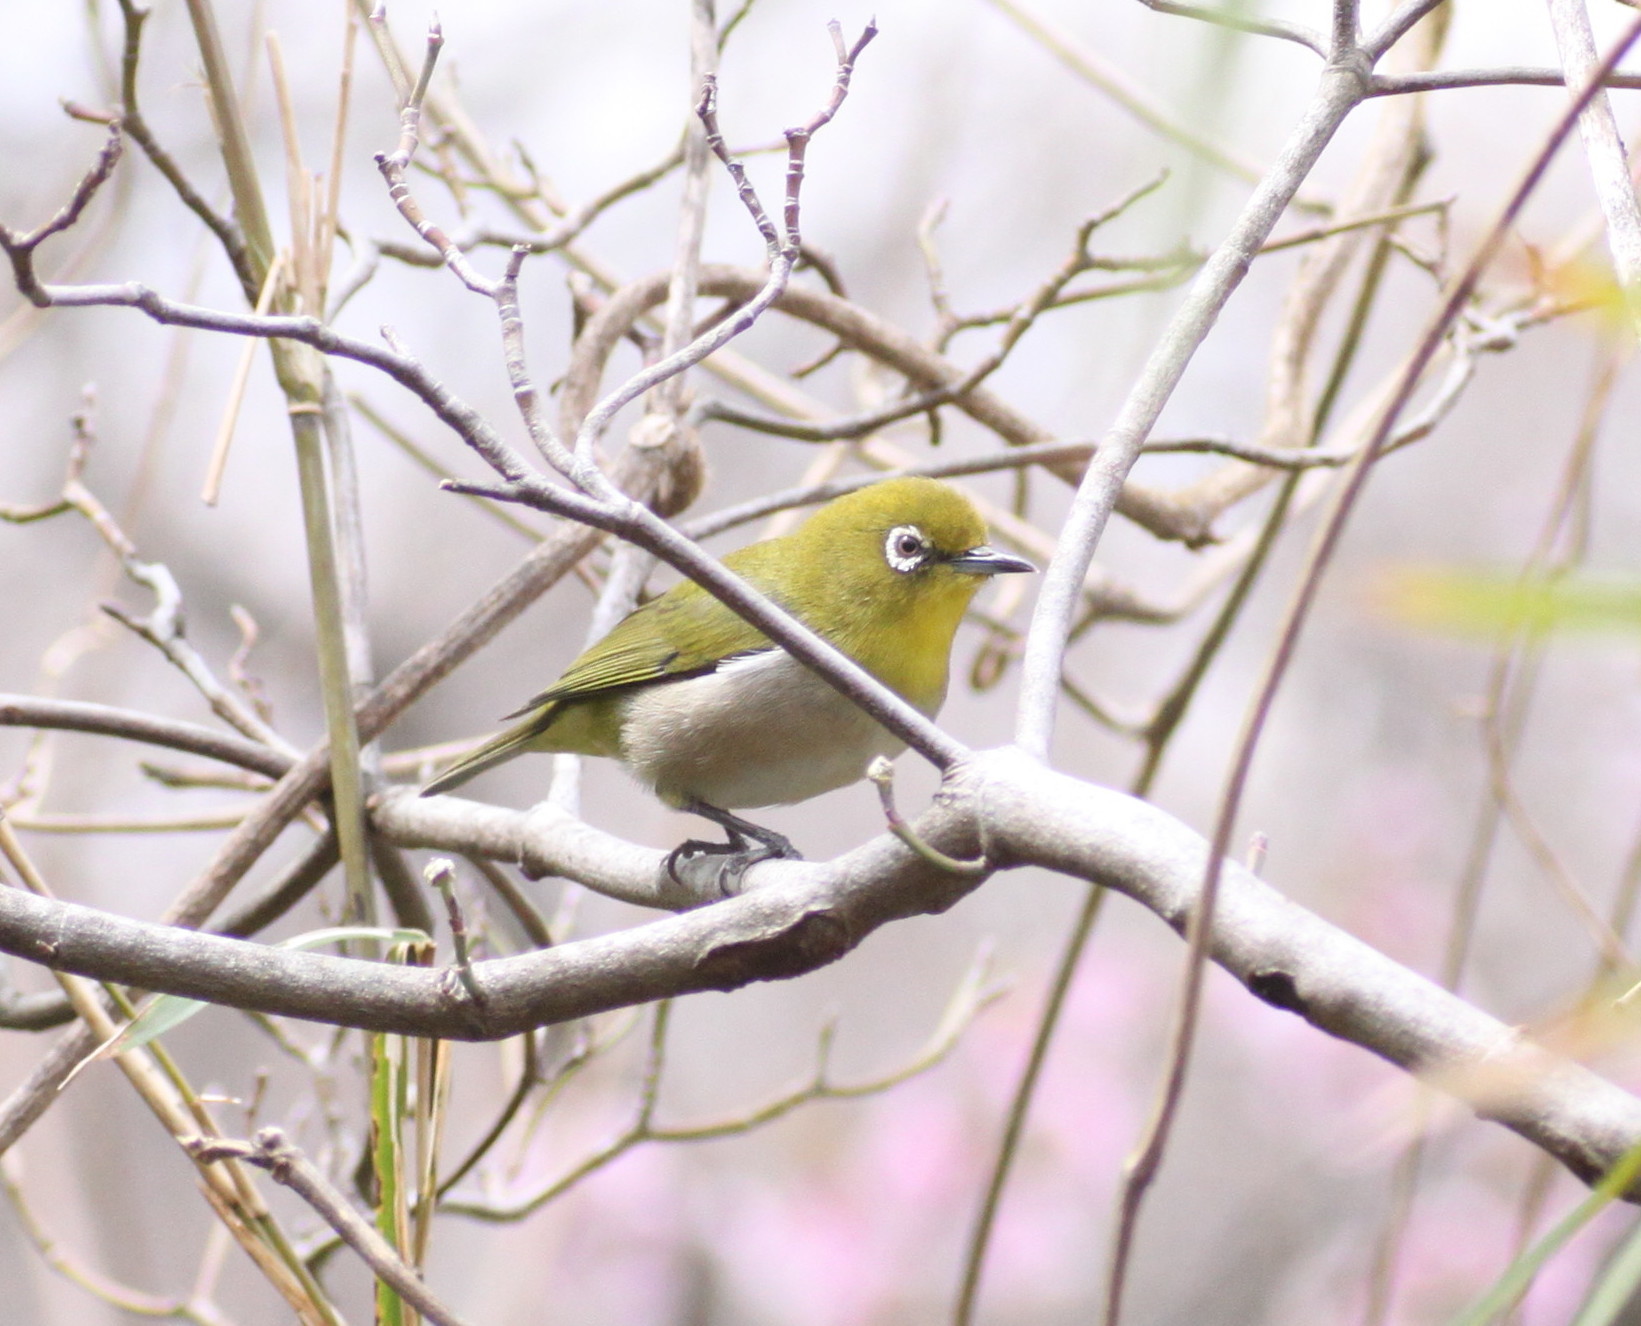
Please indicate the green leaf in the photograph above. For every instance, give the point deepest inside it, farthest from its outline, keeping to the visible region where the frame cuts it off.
(1487, 603)
(1518, 1276)
(166, 1012)
(1612, 1293)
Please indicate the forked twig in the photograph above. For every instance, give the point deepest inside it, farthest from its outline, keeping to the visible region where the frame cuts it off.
(272, 1151)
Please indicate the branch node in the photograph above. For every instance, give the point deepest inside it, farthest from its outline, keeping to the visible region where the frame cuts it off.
(882, 773)
(442, 876)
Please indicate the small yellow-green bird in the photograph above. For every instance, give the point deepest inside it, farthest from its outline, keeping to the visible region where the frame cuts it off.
(714, 717)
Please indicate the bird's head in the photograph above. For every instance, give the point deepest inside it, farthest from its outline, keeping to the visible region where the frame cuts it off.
(904, 555)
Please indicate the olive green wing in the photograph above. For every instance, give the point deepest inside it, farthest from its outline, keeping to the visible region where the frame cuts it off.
(682, 633)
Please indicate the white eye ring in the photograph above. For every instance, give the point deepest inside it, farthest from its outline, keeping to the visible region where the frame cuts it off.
(905, 549)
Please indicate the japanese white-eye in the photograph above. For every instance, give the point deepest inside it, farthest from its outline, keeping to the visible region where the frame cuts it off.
(705, 710)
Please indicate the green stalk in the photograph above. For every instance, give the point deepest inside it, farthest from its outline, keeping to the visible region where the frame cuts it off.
(386, 1113)
(1518, 1277)
(335, 683)
(299, 372)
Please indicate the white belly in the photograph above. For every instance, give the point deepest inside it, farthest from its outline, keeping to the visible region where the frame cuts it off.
(760, 731)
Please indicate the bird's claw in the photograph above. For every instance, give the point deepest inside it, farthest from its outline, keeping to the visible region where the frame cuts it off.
(740, 854)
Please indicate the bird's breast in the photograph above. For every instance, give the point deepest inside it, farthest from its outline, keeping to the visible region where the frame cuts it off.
(762, 730)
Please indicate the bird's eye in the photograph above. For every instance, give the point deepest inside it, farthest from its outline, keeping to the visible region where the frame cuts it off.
(905, 549)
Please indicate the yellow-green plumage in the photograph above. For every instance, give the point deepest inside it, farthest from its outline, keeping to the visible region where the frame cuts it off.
(706, 711)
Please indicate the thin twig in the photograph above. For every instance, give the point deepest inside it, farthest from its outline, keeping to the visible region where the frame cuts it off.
(234, 142)
(503, 515)
(201, 821)
(1602, 935)
(529, 1079)
(164, 627)
(1020, 320)
(174, 734)
(668, 399)
(535, 927)
(1394, 28)
(882, 775)
(174, 1104)
(396, 163)
(212, 488)
(135, 126)
(973, 994)
(1025, 1091)
(51, 1251)
(442, 876)
(330, 213)
(270, 1150)
(1438, 80)
(20, 245)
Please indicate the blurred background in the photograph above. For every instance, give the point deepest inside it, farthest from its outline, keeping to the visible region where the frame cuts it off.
(1370, 785)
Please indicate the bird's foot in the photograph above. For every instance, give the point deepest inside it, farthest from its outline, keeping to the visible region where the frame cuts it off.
(735, 859)
(748, 845)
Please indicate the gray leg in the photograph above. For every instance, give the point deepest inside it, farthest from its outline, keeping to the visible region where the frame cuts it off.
(742, 834)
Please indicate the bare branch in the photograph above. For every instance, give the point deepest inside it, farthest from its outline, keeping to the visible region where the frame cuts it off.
(1394, 28)
(193, 1308)
(863, 331)
(1346, 29)
(273, 1152)
(174, 734)
(802, 915)
(394, 164)
(1020, 320)
(20, 246)
(971, 996)
(135, 126)
(1437, 80)
(706, 111)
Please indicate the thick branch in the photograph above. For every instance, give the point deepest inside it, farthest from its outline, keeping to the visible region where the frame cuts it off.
(804, 916)
(545, 840)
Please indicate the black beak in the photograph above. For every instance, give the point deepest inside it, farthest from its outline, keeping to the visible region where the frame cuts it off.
(987, 561)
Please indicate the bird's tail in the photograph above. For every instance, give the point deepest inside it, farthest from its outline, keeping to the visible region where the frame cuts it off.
(500, 748)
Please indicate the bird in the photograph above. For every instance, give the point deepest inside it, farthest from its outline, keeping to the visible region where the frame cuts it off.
(714, 717)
